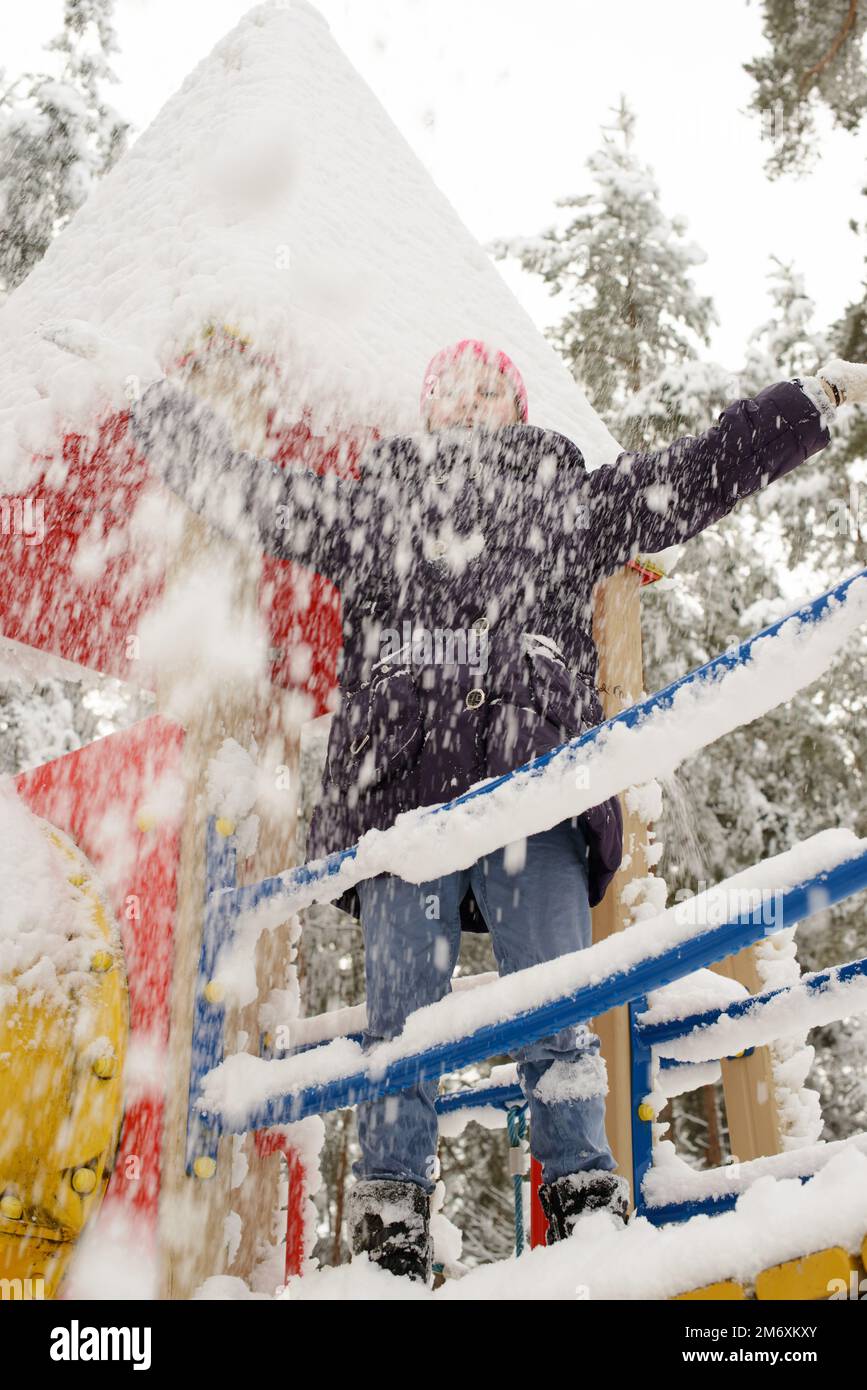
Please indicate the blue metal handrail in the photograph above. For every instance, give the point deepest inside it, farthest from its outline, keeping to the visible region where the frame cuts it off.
(798, 903)
(656, 1034)
(474, 1097)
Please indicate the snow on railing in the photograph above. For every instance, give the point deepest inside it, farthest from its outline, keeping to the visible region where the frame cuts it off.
(816, 1000)
(246, 1092)
(673, 1191)
(310, 1032)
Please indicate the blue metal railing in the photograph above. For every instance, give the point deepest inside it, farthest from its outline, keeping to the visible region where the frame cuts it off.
(655, 1034)
(473, 1098)
(225, 903)
(209, 1013)
(622, 987)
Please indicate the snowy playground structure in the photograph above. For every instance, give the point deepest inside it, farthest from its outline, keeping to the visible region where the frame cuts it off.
(297, 214)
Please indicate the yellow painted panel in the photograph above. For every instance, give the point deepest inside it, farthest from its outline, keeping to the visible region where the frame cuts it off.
(61, 1097)
(807, 1278)
(724, 1289)
(30, 1268)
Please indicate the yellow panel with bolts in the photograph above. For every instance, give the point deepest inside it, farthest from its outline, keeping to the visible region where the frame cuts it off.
(807, 1278)
(31, 1268)
(724, 1290)
(61, 1097)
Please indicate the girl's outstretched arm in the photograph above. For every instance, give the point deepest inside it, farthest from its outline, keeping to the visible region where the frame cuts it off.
(291, 514)
(645, 502)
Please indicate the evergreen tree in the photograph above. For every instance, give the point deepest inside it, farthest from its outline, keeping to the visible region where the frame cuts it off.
(787, 337)
(624, 268)
(849, 338)
(798, 770)
(748, 797)
(43, 719)
(57, 136)
(815, 59)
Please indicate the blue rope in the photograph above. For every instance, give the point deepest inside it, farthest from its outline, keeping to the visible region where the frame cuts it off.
(516, 1117)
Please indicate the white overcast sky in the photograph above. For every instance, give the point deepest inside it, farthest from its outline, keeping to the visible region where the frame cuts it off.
(503, 100)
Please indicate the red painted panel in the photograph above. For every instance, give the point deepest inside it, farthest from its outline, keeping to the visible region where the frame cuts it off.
(47, 600)
(81, 508)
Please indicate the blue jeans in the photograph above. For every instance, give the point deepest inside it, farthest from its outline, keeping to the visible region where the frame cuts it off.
(535, 911)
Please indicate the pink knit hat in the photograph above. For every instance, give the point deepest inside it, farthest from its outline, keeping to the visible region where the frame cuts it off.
(448, 355)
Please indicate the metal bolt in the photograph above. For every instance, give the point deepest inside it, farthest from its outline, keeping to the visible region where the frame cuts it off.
(83, 1181)
(11, 1206)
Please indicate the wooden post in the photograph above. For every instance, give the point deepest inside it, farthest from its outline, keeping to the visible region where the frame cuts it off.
(256, 1200)
(748, 1082)
(201, 1220)
(617, 632)
(194, 1234)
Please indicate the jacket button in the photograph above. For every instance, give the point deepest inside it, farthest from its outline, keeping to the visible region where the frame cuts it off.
(480, 625)
(475, 698)
(438, 549)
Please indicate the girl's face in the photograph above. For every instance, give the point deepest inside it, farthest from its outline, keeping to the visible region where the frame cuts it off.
(471, 394)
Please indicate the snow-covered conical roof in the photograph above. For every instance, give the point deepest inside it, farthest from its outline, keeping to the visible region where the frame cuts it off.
(273, 193)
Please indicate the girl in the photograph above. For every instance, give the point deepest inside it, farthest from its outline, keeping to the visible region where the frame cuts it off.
(491, 531)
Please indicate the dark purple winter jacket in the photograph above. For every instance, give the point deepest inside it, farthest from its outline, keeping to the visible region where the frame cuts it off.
(496, 538)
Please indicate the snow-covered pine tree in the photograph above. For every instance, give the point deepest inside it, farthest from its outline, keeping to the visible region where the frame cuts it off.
(43, 721)
(57, 135)
(822, 520)
(766, 786)
(815, 60)
(622, 267)
(849, 339)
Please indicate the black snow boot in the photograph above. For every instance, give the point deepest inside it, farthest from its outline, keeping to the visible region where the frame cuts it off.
(390, 1222)
(565, 1201)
